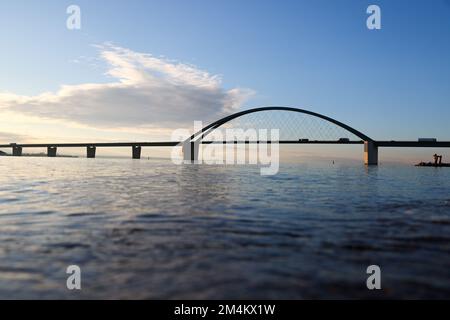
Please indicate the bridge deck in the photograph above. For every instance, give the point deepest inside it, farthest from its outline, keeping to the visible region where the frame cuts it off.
(411, 144)
(164, 143)
(414, 144)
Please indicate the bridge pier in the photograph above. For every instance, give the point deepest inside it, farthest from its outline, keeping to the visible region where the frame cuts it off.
(17, 151)
(190, 151)
(370, 153)
(136, 151)
(51, 152)
(91, 151)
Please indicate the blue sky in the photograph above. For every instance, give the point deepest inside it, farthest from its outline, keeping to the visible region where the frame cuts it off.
(391, 83)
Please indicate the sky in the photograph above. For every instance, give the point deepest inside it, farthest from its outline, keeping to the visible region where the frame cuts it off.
(138, 69)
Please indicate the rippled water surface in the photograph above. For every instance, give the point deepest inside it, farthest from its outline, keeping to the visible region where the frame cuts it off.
(151, 229)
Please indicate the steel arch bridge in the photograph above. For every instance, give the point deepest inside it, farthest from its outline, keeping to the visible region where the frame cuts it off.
(190, 145)
(213, 126)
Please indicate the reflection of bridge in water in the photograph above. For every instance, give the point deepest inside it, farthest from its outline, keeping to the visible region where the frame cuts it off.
(297, 127)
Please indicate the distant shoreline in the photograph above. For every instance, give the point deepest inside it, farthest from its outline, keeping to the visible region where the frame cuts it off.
(42, 154)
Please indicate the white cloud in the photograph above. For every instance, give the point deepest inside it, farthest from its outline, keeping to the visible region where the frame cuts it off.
(6, 137)
(145, 92)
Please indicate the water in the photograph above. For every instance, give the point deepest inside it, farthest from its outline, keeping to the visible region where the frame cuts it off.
(151, 229)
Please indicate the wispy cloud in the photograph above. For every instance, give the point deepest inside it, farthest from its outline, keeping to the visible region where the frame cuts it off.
(145, 91)
(11, 137)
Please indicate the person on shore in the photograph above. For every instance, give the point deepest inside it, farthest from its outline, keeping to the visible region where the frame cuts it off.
(435, 157)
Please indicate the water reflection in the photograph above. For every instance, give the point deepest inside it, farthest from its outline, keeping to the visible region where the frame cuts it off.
(150, 229)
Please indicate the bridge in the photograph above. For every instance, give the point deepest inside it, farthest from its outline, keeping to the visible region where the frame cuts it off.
(329, 131)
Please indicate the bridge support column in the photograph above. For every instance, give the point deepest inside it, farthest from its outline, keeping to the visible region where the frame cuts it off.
(91, 151)
(370, 153)
(17, 151)
(51, 152)
(136, 150)
(190, 151)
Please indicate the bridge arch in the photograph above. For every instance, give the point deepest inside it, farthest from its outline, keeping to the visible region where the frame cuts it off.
(200, 135)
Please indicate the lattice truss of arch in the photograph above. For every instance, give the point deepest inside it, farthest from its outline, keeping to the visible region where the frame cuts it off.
(292, 126)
